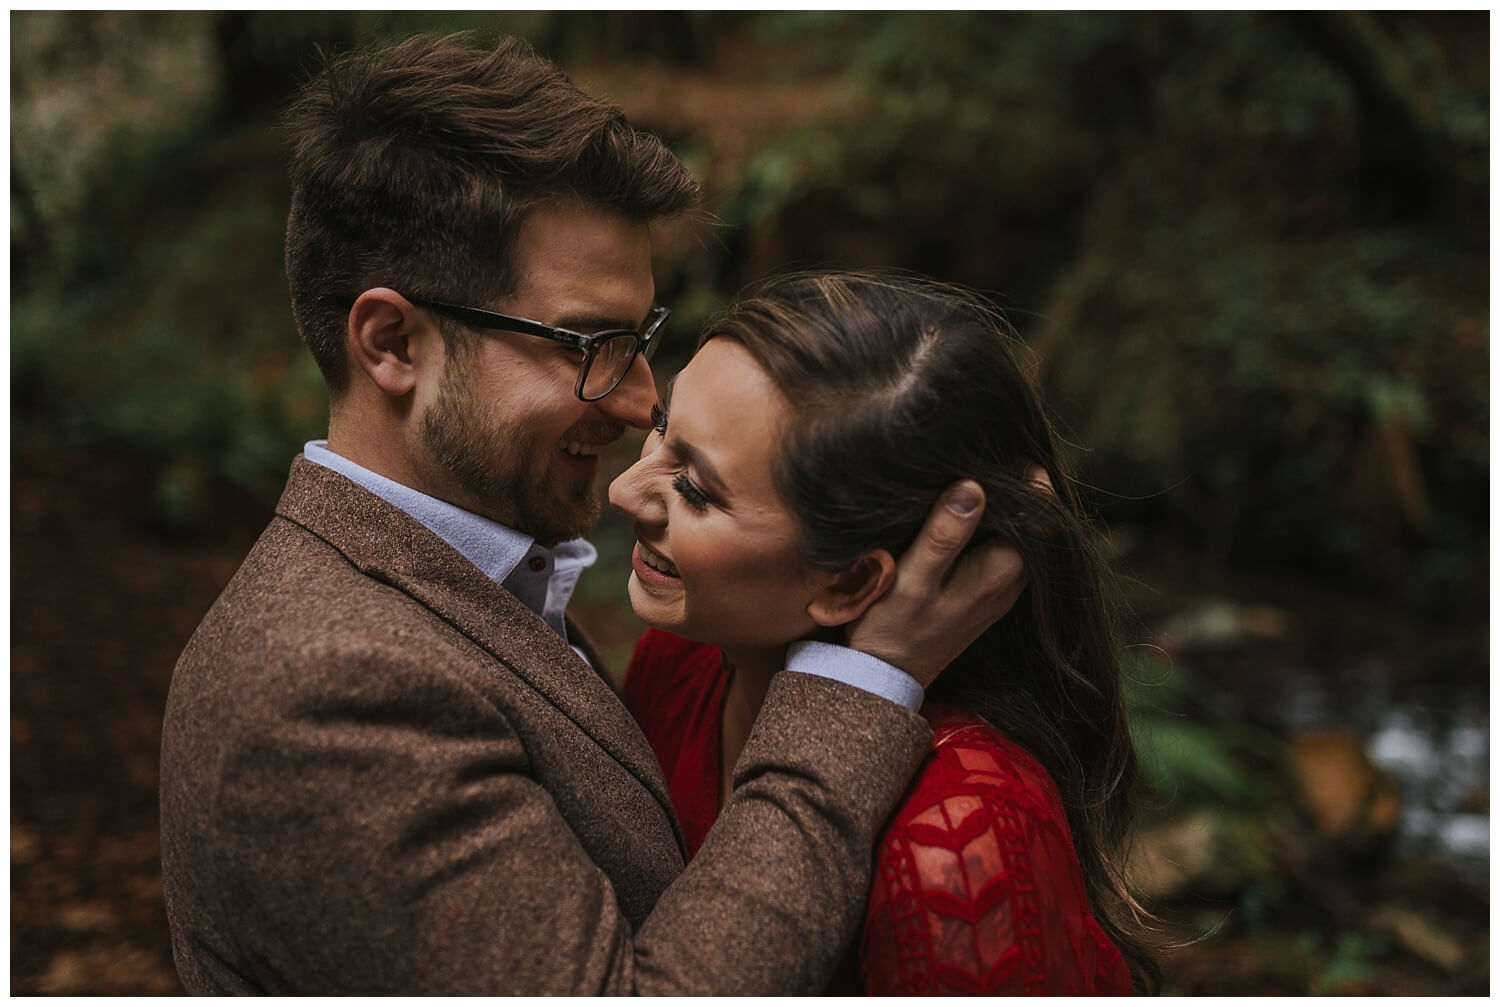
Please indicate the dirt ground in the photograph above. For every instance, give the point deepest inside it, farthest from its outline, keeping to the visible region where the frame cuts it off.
(99, 611)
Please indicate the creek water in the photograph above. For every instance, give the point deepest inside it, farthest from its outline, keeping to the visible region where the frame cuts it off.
(1417, 700)
(1432, 739)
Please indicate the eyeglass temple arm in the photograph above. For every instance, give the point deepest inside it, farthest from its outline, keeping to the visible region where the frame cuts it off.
(505, 323)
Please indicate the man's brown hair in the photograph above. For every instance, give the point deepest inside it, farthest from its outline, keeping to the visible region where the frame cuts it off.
(413, 165)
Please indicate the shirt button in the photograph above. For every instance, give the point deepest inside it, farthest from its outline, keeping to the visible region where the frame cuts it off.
(538, 564)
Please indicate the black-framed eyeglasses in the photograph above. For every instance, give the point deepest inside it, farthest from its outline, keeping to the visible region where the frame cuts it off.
(607, 355)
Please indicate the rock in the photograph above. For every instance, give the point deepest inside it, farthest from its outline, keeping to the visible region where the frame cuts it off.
(87, 970)
(1187, 855)
(1352, 801)
(1401, 746)
(67, 973)
(1218, 623)
(1423, 936)
(1466, 835)
(25, 847)
(87, 916)
(1476, 802)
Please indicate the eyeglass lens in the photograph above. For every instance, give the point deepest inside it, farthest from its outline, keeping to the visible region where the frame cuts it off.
(612, 358)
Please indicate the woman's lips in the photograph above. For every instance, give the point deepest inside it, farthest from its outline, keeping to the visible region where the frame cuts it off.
(653, 569)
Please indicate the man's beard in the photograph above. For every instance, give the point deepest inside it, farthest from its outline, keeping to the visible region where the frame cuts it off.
(506, 474)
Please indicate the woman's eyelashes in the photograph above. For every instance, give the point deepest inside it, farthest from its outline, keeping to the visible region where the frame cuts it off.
(690, 493)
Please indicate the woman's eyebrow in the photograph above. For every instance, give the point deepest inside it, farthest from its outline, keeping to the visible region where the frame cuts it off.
(705, 470)
(693, 456)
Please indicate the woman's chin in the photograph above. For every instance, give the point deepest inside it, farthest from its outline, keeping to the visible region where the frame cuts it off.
(648, 608)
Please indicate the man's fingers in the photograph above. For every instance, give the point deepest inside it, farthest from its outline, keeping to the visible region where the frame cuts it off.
(995, 572)
(948, 529)
(1038, 477)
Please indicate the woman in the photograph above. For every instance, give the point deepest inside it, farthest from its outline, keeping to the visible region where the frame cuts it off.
(806, 442)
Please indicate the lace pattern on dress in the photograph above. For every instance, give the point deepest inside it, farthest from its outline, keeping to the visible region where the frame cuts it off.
(958, 907)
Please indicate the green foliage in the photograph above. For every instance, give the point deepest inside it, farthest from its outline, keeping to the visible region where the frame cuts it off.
(164, 396)
(1256, 363)
(289, 39)
(1219, 778)
(1296, 388)
(1352, 961)
(1195, 749)
(1263, 904)
(160, 331)
(1174, 206)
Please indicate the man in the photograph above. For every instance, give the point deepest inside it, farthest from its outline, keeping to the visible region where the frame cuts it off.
(387, 765)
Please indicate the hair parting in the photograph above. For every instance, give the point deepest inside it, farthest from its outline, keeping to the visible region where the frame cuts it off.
(902, 385)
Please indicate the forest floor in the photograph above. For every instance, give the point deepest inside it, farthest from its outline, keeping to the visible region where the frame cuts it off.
(101, 605)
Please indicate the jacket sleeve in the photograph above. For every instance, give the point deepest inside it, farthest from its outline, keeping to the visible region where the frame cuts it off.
(367, 845)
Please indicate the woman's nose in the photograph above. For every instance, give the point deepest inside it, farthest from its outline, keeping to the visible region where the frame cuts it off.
(632, 492)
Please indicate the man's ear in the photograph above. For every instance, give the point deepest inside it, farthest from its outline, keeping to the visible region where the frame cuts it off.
(385, 339)
(846, 597)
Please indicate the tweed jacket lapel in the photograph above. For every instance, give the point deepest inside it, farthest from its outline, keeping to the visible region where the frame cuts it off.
(389, 545)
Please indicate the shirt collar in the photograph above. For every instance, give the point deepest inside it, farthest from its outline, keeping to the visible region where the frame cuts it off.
(542, 579)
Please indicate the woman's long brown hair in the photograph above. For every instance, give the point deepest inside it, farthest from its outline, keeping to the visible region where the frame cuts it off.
(900, 386)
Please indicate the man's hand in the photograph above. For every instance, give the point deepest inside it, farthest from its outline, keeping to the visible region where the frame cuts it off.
(939, 603)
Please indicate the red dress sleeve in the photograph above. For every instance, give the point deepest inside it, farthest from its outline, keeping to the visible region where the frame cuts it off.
(978, 890)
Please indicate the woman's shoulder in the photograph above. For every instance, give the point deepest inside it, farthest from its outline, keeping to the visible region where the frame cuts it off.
(971, 758)
(980, 849)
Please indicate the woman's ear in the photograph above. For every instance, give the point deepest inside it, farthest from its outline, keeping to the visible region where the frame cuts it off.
(846, 597)
(383, 331)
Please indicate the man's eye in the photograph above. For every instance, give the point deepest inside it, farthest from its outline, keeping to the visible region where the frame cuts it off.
(658, 420)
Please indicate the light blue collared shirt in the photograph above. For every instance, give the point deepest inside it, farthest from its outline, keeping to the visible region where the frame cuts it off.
(543, 580)
(856, 668)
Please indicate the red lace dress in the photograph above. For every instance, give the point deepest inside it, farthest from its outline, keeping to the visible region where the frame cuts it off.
(976, 890)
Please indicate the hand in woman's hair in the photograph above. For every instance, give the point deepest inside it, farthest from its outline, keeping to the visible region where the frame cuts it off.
(941, 600)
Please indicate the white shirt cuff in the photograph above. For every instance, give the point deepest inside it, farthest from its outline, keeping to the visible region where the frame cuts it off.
(856, 668)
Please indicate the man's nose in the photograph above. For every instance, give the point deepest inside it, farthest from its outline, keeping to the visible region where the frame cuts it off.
(633, 397)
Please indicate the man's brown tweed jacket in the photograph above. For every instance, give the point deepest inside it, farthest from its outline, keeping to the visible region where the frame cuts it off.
(381, 773)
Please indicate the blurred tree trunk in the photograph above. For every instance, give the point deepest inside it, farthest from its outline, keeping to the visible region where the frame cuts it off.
(1407, 167)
